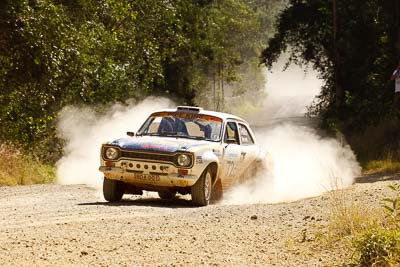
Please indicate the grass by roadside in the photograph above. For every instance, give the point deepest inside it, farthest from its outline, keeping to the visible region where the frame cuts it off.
(348, 217)
(387, 166)
(371, 233)
(19, 169)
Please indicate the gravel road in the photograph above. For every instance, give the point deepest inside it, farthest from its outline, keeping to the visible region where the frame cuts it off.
(55, 225)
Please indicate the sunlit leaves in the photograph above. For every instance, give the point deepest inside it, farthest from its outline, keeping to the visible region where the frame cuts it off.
(56, 53)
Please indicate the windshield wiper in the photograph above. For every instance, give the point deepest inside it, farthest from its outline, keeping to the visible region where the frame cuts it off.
(176, 134)
(160, 134)
(192, 137)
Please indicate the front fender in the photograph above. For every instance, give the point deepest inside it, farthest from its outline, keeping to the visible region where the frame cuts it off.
(205, 159)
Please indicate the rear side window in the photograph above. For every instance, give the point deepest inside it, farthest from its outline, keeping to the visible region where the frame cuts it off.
(245, 135)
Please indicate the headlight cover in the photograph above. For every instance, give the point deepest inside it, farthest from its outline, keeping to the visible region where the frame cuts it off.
(184, 160)
(111, 153)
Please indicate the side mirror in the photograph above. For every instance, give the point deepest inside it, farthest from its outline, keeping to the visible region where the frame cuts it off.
(131, 134)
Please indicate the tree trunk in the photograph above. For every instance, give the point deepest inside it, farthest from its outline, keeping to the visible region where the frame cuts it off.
(338, 88)
(215, 93)
(397, 23)
(222, 88)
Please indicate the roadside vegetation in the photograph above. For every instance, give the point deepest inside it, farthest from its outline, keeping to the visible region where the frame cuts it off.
(384, 166)
(19, 169)
(371, 234)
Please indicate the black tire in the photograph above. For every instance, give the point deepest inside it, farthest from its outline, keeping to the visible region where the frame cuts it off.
(166, 194)
(113, 190)
(217, 192)
(201, 190)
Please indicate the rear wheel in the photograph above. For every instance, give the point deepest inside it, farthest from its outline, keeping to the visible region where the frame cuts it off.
(201, 190)
(113, 190)
(166, 194)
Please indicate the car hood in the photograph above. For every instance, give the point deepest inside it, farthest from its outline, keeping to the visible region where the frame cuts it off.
(158, 144)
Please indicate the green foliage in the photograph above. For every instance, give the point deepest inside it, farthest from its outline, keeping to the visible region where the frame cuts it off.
(366, 50)
(378, 248)
(374, 234)
(381, 246)
(57, 53)
(236, 32)
(392, 206)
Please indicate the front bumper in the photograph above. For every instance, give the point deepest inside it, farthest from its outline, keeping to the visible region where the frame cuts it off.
(156, 179)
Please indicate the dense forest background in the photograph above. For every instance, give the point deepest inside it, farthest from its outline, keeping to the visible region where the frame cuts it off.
(55, 53)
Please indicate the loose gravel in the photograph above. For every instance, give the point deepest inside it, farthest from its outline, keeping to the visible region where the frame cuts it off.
(56, 225)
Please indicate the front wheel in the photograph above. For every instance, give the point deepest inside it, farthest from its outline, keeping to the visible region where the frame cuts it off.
(217, 192)
(201, 190)
(113, 190)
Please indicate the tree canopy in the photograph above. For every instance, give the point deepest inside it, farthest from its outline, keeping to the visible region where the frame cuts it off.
(354, 45)
(55, 53)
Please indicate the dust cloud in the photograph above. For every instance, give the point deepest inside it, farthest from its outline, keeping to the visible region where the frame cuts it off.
(84, 131)
(300, 162)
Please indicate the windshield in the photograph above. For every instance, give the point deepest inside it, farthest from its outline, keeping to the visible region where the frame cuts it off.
(180, 124)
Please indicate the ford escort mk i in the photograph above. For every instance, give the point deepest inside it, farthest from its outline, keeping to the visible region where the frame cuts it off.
(186, 150)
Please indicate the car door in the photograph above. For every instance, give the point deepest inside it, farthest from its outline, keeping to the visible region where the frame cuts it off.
(232, 153)
(249, 150)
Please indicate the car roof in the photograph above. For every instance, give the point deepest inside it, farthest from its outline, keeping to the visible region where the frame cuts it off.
(198, 110)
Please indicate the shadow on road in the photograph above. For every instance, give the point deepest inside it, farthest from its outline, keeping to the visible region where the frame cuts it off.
(176, 203)
(372, 178)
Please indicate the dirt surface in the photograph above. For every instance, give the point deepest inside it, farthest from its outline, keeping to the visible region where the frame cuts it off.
(54, 225)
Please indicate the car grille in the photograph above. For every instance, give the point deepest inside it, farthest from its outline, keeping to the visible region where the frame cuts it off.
(147, 156)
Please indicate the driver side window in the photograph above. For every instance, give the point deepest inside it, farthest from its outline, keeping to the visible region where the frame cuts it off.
(231, 133)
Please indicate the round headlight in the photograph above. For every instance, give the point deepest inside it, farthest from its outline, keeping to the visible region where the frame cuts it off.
(111, 153)
(184, 160)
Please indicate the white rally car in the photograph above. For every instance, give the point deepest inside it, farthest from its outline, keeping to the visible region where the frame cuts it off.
(186, 150)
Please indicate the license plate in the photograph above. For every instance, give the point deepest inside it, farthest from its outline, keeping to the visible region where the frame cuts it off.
(147, 177)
